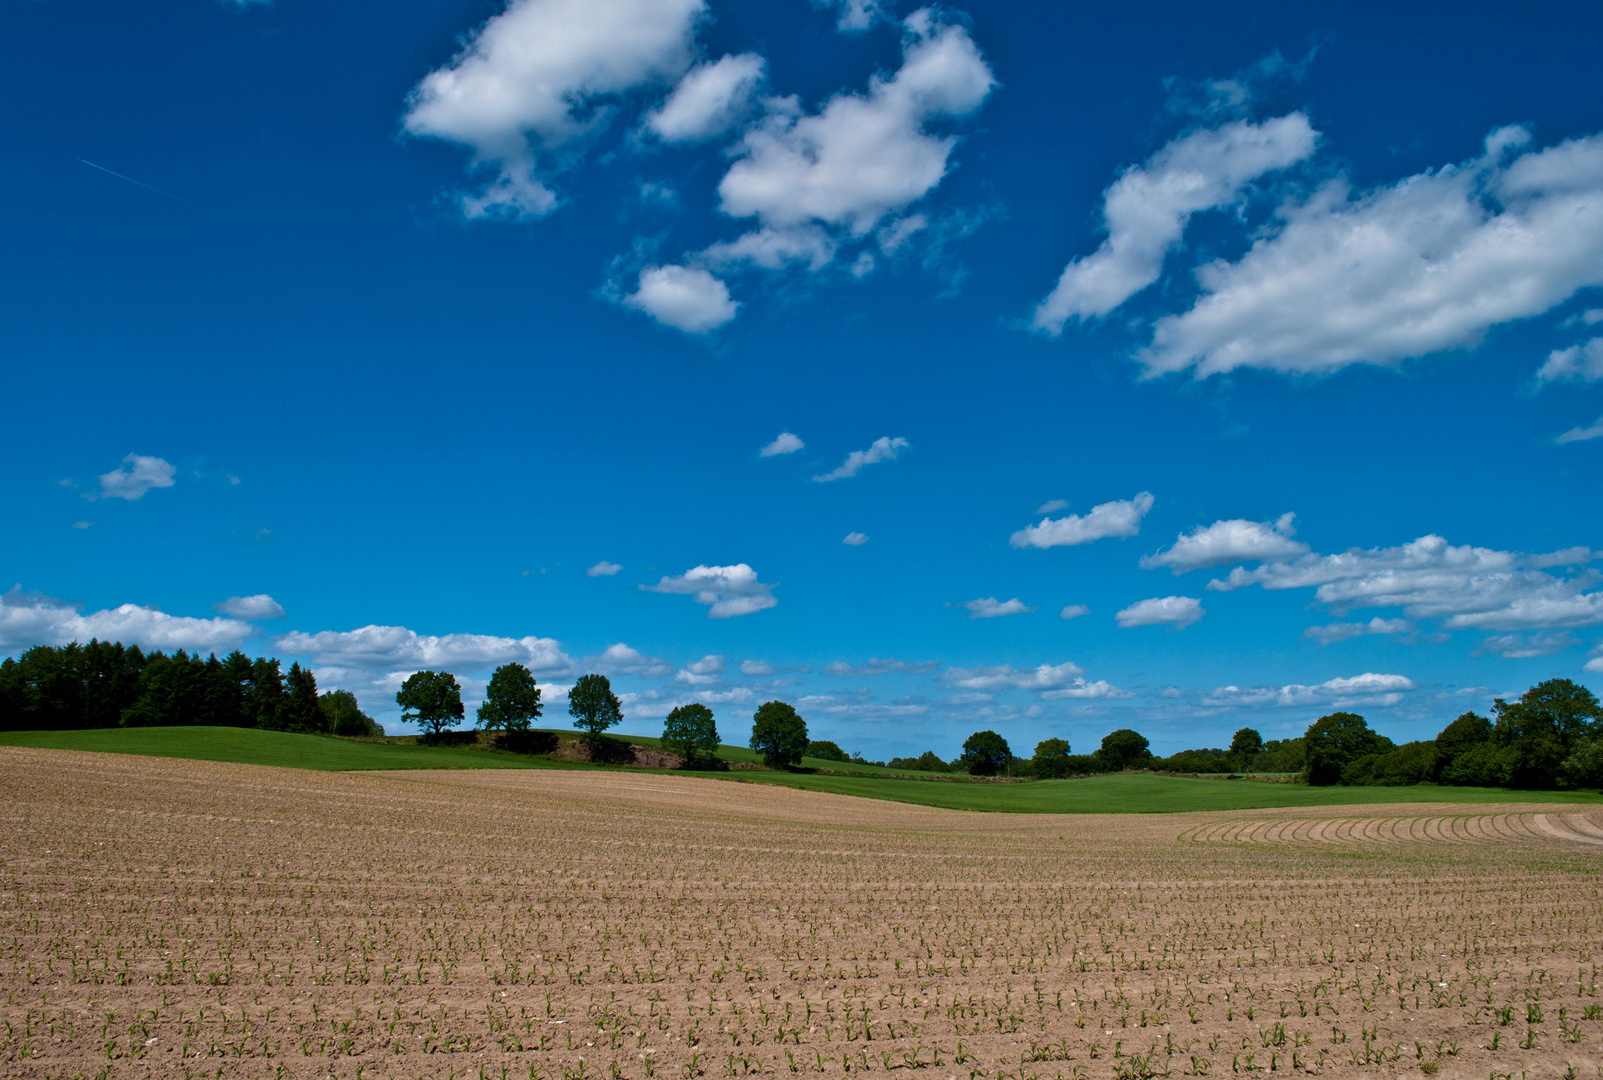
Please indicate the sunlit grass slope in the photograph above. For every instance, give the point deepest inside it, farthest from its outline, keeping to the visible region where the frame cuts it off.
(248, 746)
(1121, 793)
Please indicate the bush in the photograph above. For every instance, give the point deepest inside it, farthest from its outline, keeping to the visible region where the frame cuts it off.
(449, 738)
(825, 750)
(1484, 764)
(928, 761)
(1197, 761)
(1084, 765)
(525, 741)
(1412, 763)
(1584, 767)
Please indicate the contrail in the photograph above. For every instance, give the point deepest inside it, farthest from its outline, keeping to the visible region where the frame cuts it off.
(136, 183)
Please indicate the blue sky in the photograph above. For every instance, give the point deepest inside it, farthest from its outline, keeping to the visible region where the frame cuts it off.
(390, 333)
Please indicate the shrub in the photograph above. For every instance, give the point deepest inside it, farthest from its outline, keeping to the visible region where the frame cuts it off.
(1197, 761)
(1412, 763)
(449, 738)
(525, 741)
(825, 750)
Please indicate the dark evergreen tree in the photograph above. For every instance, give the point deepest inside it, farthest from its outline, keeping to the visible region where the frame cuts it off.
(301, 712)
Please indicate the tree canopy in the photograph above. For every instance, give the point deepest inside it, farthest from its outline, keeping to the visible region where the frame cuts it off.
(511, 701)
(594, 707)
(826, 750)
(985, 753)
(430, 699)
(1123, 749)
(1051, 760)
(690, 732)
(1335, 741)
(779, 734)
(1245, 745)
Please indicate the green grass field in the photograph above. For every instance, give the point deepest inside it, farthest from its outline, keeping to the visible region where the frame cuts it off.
(248, 746)
(1140, 793)
(1123, 793)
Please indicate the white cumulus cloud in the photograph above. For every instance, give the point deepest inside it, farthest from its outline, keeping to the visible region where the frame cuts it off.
(727, 591)
(686, 298)
(1007, 677)
(1121, 517)
(854, 16)
(1466, 587)
(624, 659)
(1342, 631)
(862, 157)
(883, 448)
(1578, 363)
(396, 648)
(137, 475)
(260, 606)
(28, 619)
(1229, 541)
(876, 666)
(1146, 210)
(1526, 646)
(530, 82)
(1366, 689)
(1080, 690)
(1581, 434)
(1176, 611)
(855, 539)
(1425, 264)
(989, 607)
(603, 569)
(709, 100)
(1074, 611)
(704, 672)
(784, 443)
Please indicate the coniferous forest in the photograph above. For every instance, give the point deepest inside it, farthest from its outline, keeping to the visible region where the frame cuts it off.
(105, 684)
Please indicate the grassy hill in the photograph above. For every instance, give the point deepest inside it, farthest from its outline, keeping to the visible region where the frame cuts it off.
(249, 746)
(1120, 793)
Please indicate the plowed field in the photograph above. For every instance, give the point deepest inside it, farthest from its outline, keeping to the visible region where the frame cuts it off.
(186, 919)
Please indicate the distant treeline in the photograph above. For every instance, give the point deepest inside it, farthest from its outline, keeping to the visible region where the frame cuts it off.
(105, 684)
(1551, 737)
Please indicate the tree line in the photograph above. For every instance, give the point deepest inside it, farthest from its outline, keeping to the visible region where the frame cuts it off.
(105, 684)
(1549, 737)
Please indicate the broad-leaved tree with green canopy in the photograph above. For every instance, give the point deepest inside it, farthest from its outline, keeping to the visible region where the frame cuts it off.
(431, 699)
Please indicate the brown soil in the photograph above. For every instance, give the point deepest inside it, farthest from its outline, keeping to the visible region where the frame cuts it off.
(171, 919)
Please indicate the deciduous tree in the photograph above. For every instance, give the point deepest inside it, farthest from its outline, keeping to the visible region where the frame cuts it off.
(594, 707)
(511, 701)
(1123, 749)
(779, 734)
(985, 753)
(690, 732)
(1335, 741)
(430, 699)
